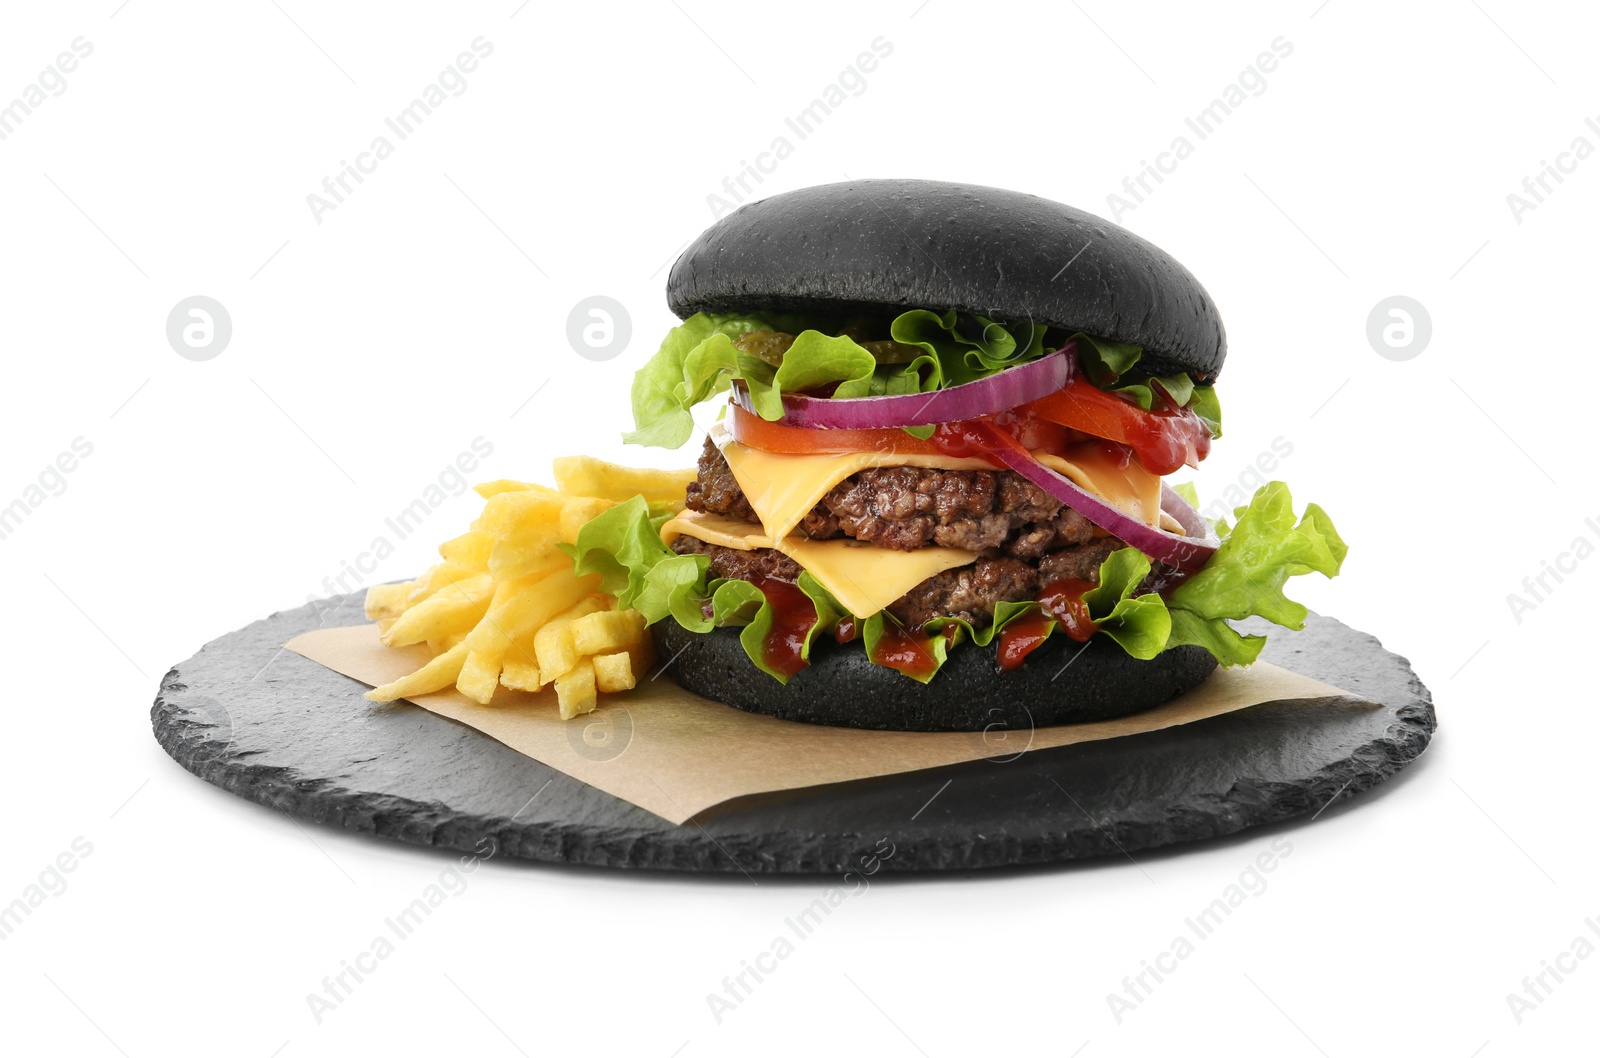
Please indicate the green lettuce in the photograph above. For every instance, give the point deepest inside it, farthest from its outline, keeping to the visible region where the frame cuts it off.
(698, 360)
(1109, 364)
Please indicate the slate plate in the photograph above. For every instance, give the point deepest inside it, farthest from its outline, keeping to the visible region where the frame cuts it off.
(280, 730)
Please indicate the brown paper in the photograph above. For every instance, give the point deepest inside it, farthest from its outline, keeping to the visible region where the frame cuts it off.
(676, 754)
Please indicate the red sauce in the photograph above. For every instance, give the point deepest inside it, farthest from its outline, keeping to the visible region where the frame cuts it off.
(1166, 437)
(905, 651)
(846, 631)
(793, 615)
(1063, 600)
(970, 438)
(1061, 606)
(1022, 637)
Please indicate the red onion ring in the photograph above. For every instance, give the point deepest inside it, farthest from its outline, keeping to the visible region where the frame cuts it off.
(999, 392)
(1191, 520)
(1185, 553)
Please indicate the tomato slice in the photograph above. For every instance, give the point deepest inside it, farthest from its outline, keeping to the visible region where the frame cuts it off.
(1164, 440)
(968, 439)
(756, 432)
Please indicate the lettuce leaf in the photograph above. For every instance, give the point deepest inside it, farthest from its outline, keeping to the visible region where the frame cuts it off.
(967, 348)
(812, 362)
(1140, 624)
(690, 367)
(623, 545)
(1245, 578)
(1110, 364)
(698, 360)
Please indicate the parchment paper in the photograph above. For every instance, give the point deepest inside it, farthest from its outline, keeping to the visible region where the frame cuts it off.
(676, 754)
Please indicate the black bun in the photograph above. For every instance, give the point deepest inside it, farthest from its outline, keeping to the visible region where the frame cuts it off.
(1062, 682)
(935, 245)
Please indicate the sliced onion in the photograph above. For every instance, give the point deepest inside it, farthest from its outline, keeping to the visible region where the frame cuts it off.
(1186, 553)
(1187, 516)
(999, 392)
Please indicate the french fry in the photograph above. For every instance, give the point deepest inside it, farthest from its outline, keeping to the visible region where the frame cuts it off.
(502, 513)
(436, 675)
(459, 605)
(520, 672)
(504, 607)
(578, 511)
(643, 655)
(446, 642)
(613, 672)
(530, 546)
(490, 489)
(470, 550)
(480, 676)
(387, 601)
(552, 644)
(437, 577)
(587, 476)
(606, 631)
(527, 603)
(575, 690)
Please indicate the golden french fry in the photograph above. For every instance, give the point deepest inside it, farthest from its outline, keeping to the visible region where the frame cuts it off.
(520, 673)
(447, 641)
(587, 476)
(470, 550)
(578, 511)
(522, 605)
(490, 489)
(456, 606)
(436, 578)
(643, 654)
(552, 644)
(607, 631)
(530, 545)
(386, 601)
(575, 692)
(480, 675)
(613, 672)
(502, 513)
(436, 675)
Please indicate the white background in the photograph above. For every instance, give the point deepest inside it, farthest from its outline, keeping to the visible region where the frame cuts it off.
(371, 348)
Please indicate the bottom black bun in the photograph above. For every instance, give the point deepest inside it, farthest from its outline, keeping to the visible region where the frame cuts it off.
(1062, 682)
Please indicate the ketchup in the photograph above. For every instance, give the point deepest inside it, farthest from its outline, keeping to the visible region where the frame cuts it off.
(1061, 606)
(846, 631)
(1022, 637)
(906, 651)
(970, 438)
(793, 616)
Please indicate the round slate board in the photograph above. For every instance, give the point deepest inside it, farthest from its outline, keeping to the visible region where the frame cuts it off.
(280, 730)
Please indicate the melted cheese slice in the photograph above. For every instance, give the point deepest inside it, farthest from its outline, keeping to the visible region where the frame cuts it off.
(863, 577)
(782, 489)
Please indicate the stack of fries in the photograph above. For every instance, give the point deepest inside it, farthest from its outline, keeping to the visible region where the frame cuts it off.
(504, 608)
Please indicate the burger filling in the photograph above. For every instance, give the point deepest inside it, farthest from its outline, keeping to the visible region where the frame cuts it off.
(918, 478)
(1024, 538)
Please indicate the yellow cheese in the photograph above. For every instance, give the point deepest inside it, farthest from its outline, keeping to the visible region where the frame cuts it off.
(782, 489)
(863, 577)
(1131, 489)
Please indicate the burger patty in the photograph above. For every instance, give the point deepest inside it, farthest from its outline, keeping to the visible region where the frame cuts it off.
(968, 592)
(992, 512)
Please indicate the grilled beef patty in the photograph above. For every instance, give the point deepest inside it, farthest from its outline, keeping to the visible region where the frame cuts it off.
(1024, 538)
(993, 512)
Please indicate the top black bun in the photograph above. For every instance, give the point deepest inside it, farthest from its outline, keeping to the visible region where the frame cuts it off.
(930, 244)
